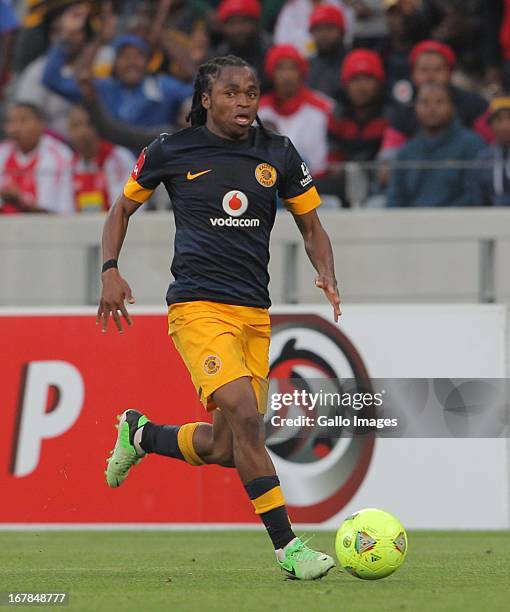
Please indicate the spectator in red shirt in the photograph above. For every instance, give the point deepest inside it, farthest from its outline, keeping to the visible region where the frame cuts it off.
(100, 168)
(294, 110)
(356, 127)
(35, 168)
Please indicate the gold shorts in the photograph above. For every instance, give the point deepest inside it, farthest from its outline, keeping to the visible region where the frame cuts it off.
(222, 342)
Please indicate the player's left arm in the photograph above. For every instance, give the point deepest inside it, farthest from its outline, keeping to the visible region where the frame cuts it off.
(320, 253)
(300, 198)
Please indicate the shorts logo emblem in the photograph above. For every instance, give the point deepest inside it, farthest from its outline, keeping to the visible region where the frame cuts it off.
(212, 364)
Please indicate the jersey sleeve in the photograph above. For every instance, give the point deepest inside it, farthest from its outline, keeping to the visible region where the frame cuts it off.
(147, 173)
(296, 188)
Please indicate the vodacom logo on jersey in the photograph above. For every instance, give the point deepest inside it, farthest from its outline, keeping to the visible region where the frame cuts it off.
(235, 204)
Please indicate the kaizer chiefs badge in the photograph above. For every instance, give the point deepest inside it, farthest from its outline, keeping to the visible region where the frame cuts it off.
(212, 364)
(265, 175)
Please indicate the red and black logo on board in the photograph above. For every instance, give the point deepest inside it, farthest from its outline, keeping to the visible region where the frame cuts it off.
(325, 465)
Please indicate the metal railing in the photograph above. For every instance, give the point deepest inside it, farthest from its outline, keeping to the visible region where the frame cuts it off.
(353, 184)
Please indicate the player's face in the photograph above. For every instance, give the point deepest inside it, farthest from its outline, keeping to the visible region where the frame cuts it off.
(23, 127)
(233, 103)
(434, 108)
(431, 68)
(363, 89)
(130, 66)
(82, 135)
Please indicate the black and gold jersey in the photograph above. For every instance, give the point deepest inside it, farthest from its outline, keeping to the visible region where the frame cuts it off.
(223, 194)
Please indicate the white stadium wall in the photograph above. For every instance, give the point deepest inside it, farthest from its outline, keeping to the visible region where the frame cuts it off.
(397, 256)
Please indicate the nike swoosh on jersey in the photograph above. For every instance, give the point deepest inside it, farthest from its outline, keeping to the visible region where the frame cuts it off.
(190, 176)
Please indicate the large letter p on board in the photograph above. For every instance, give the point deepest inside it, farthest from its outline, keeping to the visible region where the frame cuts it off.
(35, 424)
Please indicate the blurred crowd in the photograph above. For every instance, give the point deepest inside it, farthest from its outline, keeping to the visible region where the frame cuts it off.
(396, 103)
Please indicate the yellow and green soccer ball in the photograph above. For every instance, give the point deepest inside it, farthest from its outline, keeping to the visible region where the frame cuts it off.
(371, 544)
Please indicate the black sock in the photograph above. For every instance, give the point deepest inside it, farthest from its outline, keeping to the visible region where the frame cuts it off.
(278, 526)
(275, 519)
(161, 439)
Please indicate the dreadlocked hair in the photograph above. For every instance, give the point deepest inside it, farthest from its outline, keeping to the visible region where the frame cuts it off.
(204, 80)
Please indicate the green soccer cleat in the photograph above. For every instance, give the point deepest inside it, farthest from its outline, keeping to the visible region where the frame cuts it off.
(303, 563)
(124, 455)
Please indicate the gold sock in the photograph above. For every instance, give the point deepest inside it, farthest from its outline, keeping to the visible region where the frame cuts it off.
(268, 501)
(185, 442)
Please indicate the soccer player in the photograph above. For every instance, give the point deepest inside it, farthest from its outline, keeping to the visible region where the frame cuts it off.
(223, 175)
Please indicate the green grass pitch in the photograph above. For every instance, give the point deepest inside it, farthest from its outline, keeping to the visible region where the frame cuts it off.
(148, 571)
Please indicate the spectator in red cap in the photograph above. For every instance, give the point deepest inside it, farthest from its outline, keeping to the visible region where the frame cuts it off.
(358, 122)
(293, 24)
(433, 62)
(247, 8)
(243, 35)
(409, 21)
(327, 26)
(294, 110)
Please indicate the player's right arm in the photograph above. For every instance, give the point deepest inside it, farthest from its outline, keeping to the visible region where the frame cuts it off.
(146, 176)
(115, 289)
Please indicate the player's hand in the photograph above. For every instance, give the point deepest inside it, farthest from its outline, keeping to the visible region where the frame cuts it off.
(329, 285)
(115, 292)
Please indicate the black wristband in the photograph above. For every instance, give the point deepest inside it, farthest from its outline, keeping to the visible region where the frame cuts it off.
(111, 263)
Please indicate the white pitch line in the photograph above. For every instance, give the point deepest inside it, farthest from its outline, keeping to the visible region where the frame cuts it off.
(152, 527)
(120, 571)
